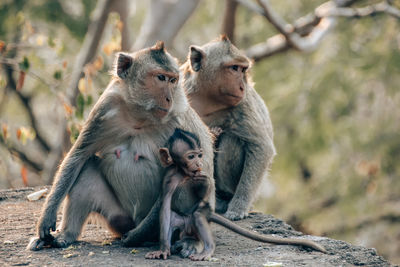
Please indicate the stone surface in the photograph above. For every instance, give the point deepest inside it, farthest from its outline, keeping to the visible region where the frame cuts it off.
(96, 247)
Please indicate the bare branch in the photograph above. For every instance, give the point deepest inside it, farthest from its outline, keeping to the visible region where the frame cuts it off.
(304, 35)
(26, 101)
(163, 21)
(383, 7)
(34, 166)
(228, 24)
(122, 8)
(90, 46)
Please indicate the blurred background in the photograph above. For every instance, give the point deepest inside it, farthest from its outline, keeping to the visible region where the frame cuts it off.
(328, 71)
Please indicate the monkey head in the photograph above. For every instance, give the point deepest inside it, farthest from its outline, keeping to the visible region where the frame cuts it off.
(222, 71)
(183, 150)
(151, 76)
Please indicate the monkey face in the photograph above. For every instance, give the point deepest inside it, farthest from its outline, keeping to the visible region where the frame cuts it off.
(151, 76)
(192, 162)
(160, 86)
(232, 83)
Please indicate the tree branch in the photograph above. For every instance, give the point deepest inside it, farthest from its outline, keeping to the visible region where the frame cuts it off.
(26, 101)
(89, 46)
(228, 24)
(383, 7)
(163, 21)
(34, 166)
(122, 8)
(307, 32)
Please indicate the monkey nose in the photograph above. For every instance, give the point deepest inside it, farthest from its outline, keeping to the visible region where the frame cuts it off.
(168, 99)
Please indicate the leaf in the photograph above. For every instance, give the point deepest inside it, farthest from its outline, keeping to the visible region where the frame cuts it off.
(70, 255)
(40, 40)
(80, 105)
(21, 80)
(24, 175)
(65, 64)
(106, 243)
(134, 251)
(24, 133)
(98, 63)
(111, 47)
(57, 75)
(2, 46)
(89, 100)
(19, 132)
(82, 85)
(24, 65)
(50, 42)
(120, 25)
(5, 130)
(68, 109)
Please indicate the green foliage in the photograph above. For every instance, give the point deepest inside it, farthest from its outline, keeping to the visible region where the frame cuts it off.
(24, 65)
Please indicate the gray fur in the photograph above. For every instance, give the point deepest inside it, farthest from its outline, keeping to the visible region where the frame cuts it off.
(245, 148)
(93, 179)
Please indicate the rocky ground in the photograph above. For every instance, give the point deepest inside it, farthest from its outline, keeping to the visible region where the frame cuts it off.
(98, 248)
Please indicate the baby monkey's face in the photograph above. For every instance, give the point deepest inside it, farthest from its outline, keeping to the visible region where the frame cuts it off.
(192, 162)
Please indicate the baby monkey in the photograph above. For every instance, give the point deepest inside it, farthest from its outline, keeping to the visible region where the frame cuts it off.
(185, 201)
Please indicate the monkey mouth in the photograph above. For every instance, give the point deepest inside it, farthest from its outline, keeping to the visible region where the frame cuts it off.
(238, 97)
(161, 112)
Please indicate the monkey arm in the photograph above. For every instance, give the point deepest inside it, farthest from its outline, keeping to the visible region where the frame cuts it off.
(258, 158)
(165, 220)
(90, 140)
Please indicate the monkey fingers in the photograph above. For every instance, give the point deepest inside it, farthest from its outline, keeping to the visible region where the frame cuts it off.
(38, 243)
(235, 215)
(159, 254)
(200, 257)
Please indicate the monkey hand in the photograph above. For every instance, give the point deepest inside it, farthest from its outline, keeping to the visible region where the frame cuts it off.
(38, 244)
(159, 254)
(47, 223)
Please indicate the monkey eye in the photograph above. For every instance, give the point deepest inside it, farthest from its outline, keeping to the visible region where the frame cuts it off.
(235, 67)
(161, 77)
(200, 155)
(191, 156)
(173, 80)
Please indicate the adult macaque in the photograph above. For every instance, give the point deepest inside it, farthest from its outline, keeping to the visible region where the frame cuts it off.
(113, 168)
(220, 90)
(185, 204)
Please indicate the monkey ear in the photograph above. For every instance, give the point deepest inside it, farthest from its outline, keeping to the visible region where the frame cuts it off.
(159, 46)
(224, 37)
(166, 159)
(197, 57)
(123, 63)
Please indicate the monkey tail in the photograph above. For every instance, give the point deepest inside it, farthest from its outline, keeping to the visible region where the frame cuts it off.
(218, 219)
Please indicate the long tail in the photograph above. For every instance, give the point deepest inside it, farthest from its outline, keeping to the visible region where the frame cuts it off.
(264, 238)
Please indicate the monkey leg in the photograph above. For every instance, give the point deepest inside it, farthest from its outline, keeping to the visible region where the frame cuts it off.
(91, 193)
(204, 231)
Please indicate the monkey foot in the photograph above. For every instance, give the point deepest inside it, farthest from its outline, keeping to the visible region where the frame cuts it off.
(159, 254)
(235, 216)
(36, 244)
(185, 247)
(200, 257)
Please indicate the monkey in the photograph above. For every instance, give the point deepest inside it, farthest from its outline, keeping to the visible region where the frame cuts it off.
(219, 88)
(113, 168)
(183, 158)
